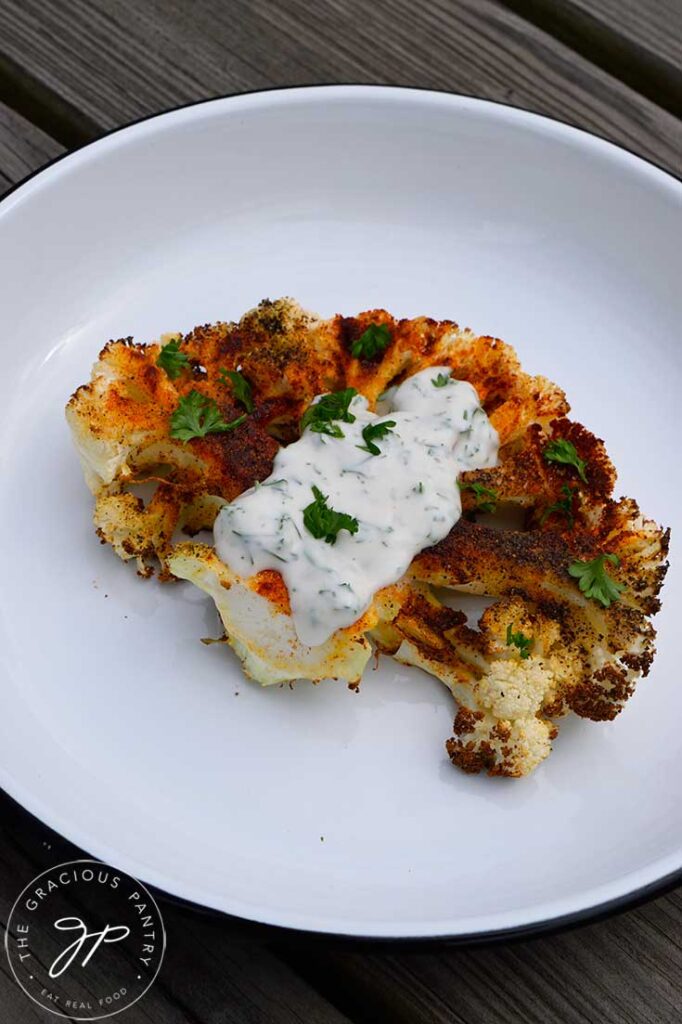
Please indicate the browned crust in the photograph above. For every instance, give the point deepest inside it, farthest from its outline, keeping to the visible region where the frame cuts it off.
(601, 697)
(507, 560)
(472, 758)
(289, 356)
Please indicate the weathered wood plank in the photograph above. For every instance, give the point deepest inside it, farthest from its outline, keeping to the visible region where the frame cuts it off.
(638, 41)
(115, 60)
(23, 148)
(626, 970)
(653, 26)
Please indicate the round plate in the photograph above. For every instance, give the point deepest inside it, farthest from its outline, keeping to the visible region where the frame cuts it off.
(318, 808)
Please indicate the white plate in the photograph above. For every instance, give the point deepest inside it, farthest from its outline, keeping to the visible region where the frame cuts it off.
(319, 808)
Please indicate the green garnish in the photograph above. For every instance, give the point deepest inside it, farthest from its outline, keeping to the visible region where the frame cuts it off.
(594, 581)
(323, 522)
(172, 360)
(374, 432)
(564, 506)
(269, 483)
(375, 339)
(197, 416)
(441, 380)
(240, 386)
(334, 406)
(486, 498)
(520, 640)
(565, 452)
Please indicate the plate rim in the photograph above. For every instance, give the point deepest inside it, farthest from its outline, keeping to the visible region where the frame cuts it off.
(545, 926)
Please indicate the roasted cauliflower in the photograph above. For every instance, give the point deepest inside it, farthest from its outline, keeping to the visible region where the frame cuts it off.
(573, 585)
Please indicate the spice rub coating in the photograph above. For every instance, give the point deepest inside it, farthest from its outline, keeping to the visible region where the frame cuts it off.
(543, 649)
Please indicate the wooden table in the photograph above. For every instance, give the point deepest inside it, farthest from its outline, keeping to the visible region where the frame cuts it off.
(72, 69)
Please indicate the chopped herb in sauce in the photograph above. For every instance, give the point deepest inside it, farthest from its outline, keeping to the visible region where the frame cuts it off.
(323, 522)
(595, 582)
(441, 381)
(371, 342)
(374, 432)
(408, 497)
(564, 452)
(269, 483)
(197, 416)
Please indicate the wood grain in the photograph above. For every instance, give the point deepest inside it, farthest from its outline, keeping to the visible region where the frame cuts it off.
(23, 148)
(638, 41)
(626, 970)
(653, 25)
(110, 61)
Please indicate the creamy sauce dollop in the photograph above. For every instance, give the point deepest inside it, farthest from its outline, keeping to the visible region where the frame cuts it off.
(404, 500)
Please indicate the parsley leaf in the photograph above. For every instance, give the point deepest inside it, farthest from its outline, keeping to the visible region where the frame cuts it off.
(372, 432)
(172, 360)
(486, 498)
(240, 386)
(594, 581)
(563, 505)
(371, 342)
(565, 452)
(441, 381)
(520, 640)
(334, 406)
(323, 522)
(197, 416)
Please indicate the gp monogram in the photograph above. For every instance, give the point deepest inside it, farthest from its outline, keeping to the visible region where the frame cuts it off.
(85, 941)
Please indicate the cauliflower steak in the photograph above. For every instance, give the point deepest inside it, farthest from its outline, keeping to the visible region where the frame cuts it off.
(200, 418)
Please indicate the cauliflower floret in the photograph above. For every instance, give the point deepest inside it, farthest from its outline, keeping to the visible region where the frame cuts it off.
(512, 689)
(120, 414)
(530, 660)
(133, 530)
(525, 478)
(511, 748)
(145, 532)
(603, 650)
(505, 693)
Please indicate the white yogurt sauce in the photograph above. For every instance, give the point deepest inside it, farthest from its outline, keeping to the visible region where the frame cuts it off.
(404, 500)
